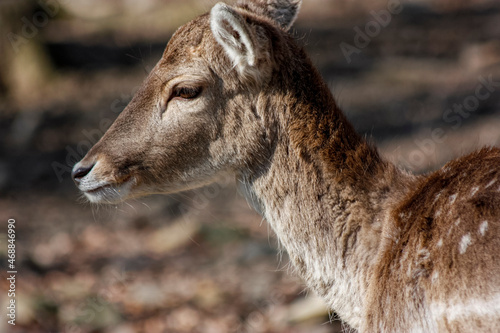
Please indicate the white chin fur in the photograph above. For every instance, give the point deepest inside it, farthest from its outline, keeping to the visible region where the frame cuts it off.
(109, 194)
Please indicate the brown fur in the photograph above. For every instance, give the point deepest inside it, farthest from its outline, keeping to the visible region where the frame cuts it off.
(432, 219)
(381, 246)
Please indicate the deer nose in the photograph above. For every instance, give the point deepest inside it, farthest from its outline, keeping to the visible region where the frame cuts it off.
(78, 173)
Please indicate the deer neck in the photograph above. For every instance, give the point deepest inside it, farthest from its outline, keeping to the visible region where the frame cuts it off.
(324, 191)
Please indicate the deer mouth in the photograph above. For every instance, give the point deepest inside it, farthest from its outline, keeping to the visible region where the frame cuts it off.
(109, 193)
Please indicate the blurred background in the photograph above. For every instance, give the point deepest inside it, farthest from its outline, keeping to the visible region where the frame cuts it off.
(421, 78)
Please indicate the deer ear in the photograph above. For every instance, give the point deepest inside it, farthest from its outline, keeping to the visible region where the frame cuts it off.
(233, 34)
(283, 12)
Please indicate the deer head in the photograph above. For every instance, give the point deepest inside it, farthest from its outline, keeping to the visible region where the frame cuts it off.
(196, 114)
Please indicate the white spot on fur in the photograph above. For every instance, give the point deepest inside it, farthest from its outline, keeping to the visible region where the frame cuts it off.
(440, 242)
(424, 254)
(438, 213)
(453, 198)
(434, 276)
(483, 228)
(474, 191)
(491, 183)
(437, 196)
(457, 222)
(464, 243)
(472, 308)
(408, 271)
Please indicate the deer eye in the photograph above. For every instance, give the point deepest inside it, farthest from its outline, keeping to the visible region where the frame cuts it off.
(186, 92)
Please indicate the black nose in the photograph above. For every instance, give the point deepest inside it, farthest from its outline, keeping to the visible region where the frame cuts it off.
(81, 172)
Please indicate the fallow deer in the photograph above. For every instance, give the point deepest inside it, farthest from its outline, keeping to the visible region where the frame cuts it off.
(388, 251)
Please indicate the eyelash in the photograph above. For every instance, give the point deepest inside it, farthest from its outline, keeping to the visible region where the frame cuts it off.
(185, 92)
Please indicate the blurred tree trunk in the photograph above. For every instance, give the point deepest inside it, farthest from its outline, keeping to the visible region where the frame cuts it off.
(24, 65)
